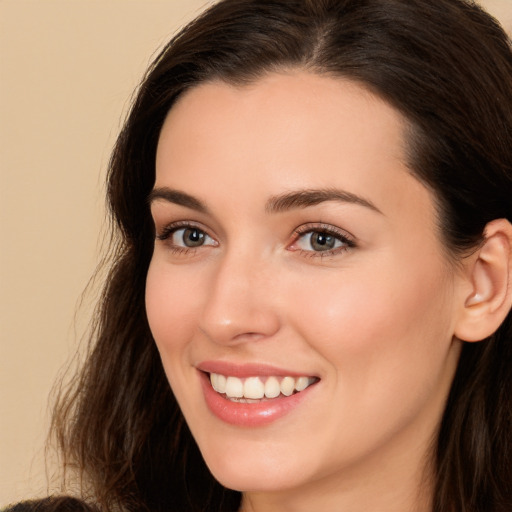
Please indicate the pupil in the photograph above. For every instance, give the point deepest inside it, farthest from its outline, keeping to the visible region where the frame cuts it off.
(322, 241)
(193, 237)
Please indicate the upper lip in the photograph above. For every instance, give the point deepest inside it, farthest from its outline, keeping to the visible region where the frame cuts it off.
(243, 370)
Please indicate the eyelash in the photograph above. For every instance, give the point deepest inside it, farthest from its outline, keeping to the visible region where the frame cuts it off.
(325, 229)
(170, 229)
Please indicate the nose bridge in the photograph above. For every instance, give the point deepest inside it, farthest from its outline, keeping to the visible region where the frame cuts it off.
(239, 302)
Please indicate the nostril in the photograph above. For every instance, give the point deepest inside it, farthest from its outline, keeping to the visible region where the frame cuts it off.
(249, 336)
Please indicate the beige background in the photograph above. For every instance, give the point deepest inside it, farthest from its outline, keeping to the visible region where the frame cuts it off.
(67, 70)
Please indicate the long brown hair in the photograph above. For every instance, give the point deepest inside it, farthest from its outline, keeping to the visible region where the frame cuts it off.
(447, 67)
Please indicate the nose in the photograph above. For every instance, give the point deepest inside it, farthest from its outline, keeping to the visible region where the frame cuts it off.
(241, 301)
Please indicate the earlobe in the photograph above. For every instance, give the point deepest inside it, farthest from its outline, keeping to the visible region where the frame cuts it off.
(490, 273)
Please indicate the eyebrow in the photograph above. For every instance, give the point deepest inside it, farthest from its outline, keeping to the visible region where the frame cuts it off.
(276, 204)
(311, 197)
(177, 197)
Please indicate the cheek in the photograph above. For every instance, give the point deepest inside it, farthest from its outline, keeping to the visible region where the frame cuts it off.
(172, 299)
(378, 332)
(388, 352)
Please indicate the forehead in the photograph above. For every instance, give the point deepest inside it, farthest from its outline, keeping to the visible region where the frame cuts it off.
(289, 108)
(285, 131)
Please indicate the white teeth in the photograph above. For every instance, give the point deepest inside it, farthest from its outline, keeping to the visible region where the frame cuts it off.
(253, 388)
(214, 379)
(287, 386)
(218, 382)
(302, 383)
(272, 388)
(234, 387)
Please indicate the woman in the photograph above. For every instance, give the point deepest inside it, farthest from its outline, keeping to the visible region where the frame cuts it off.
(309, 307)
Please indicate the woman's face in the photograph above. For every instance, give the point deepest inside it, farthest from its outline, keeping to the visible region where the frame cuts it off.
(295, 249)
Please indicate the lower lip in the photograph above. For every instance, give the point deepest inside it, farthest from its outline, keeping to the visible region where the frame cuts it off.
(249, 415)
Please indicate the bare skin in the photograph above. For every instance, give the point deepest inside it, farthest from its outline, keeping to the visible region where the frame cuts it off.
(370, 312)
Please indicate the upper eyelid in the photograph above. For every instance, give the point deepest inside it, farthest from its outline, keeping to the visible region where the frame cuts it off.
(165, 232)
(324, 227)
(165, 235)
(348, 240)
(179, 224)
(162, 220)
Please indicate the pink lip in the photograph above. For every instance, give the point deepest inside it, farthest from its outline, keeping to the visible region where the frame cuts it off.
(252, 414)
(246, 370)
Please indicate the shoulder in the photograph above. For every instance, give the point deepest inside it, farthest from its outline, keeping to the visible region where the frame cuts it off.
(52, 504)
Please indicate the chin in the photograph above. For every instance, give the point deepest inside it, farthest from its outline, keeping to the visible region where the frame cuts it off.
(270, 479)
(254, 468)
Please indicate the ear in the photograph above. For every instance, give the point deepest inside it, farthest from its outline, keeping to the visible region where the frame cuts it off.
(487, 295)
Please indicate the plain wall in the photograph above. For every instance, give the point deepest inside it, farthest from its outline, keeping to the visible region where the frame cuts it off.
(67, 71)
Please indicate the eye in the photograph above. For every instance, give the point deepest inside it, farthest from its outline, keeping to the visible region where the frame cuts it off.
(318, 241)
(189, 237)
(321, 240)
(183, 237)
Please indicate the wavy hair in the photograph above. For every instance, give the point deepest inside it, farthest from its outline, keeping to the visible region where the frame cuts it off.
(446, 65)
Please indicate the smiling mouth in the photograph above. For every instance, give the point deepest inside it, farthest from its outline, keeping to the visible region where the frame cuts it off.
(258, 389)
